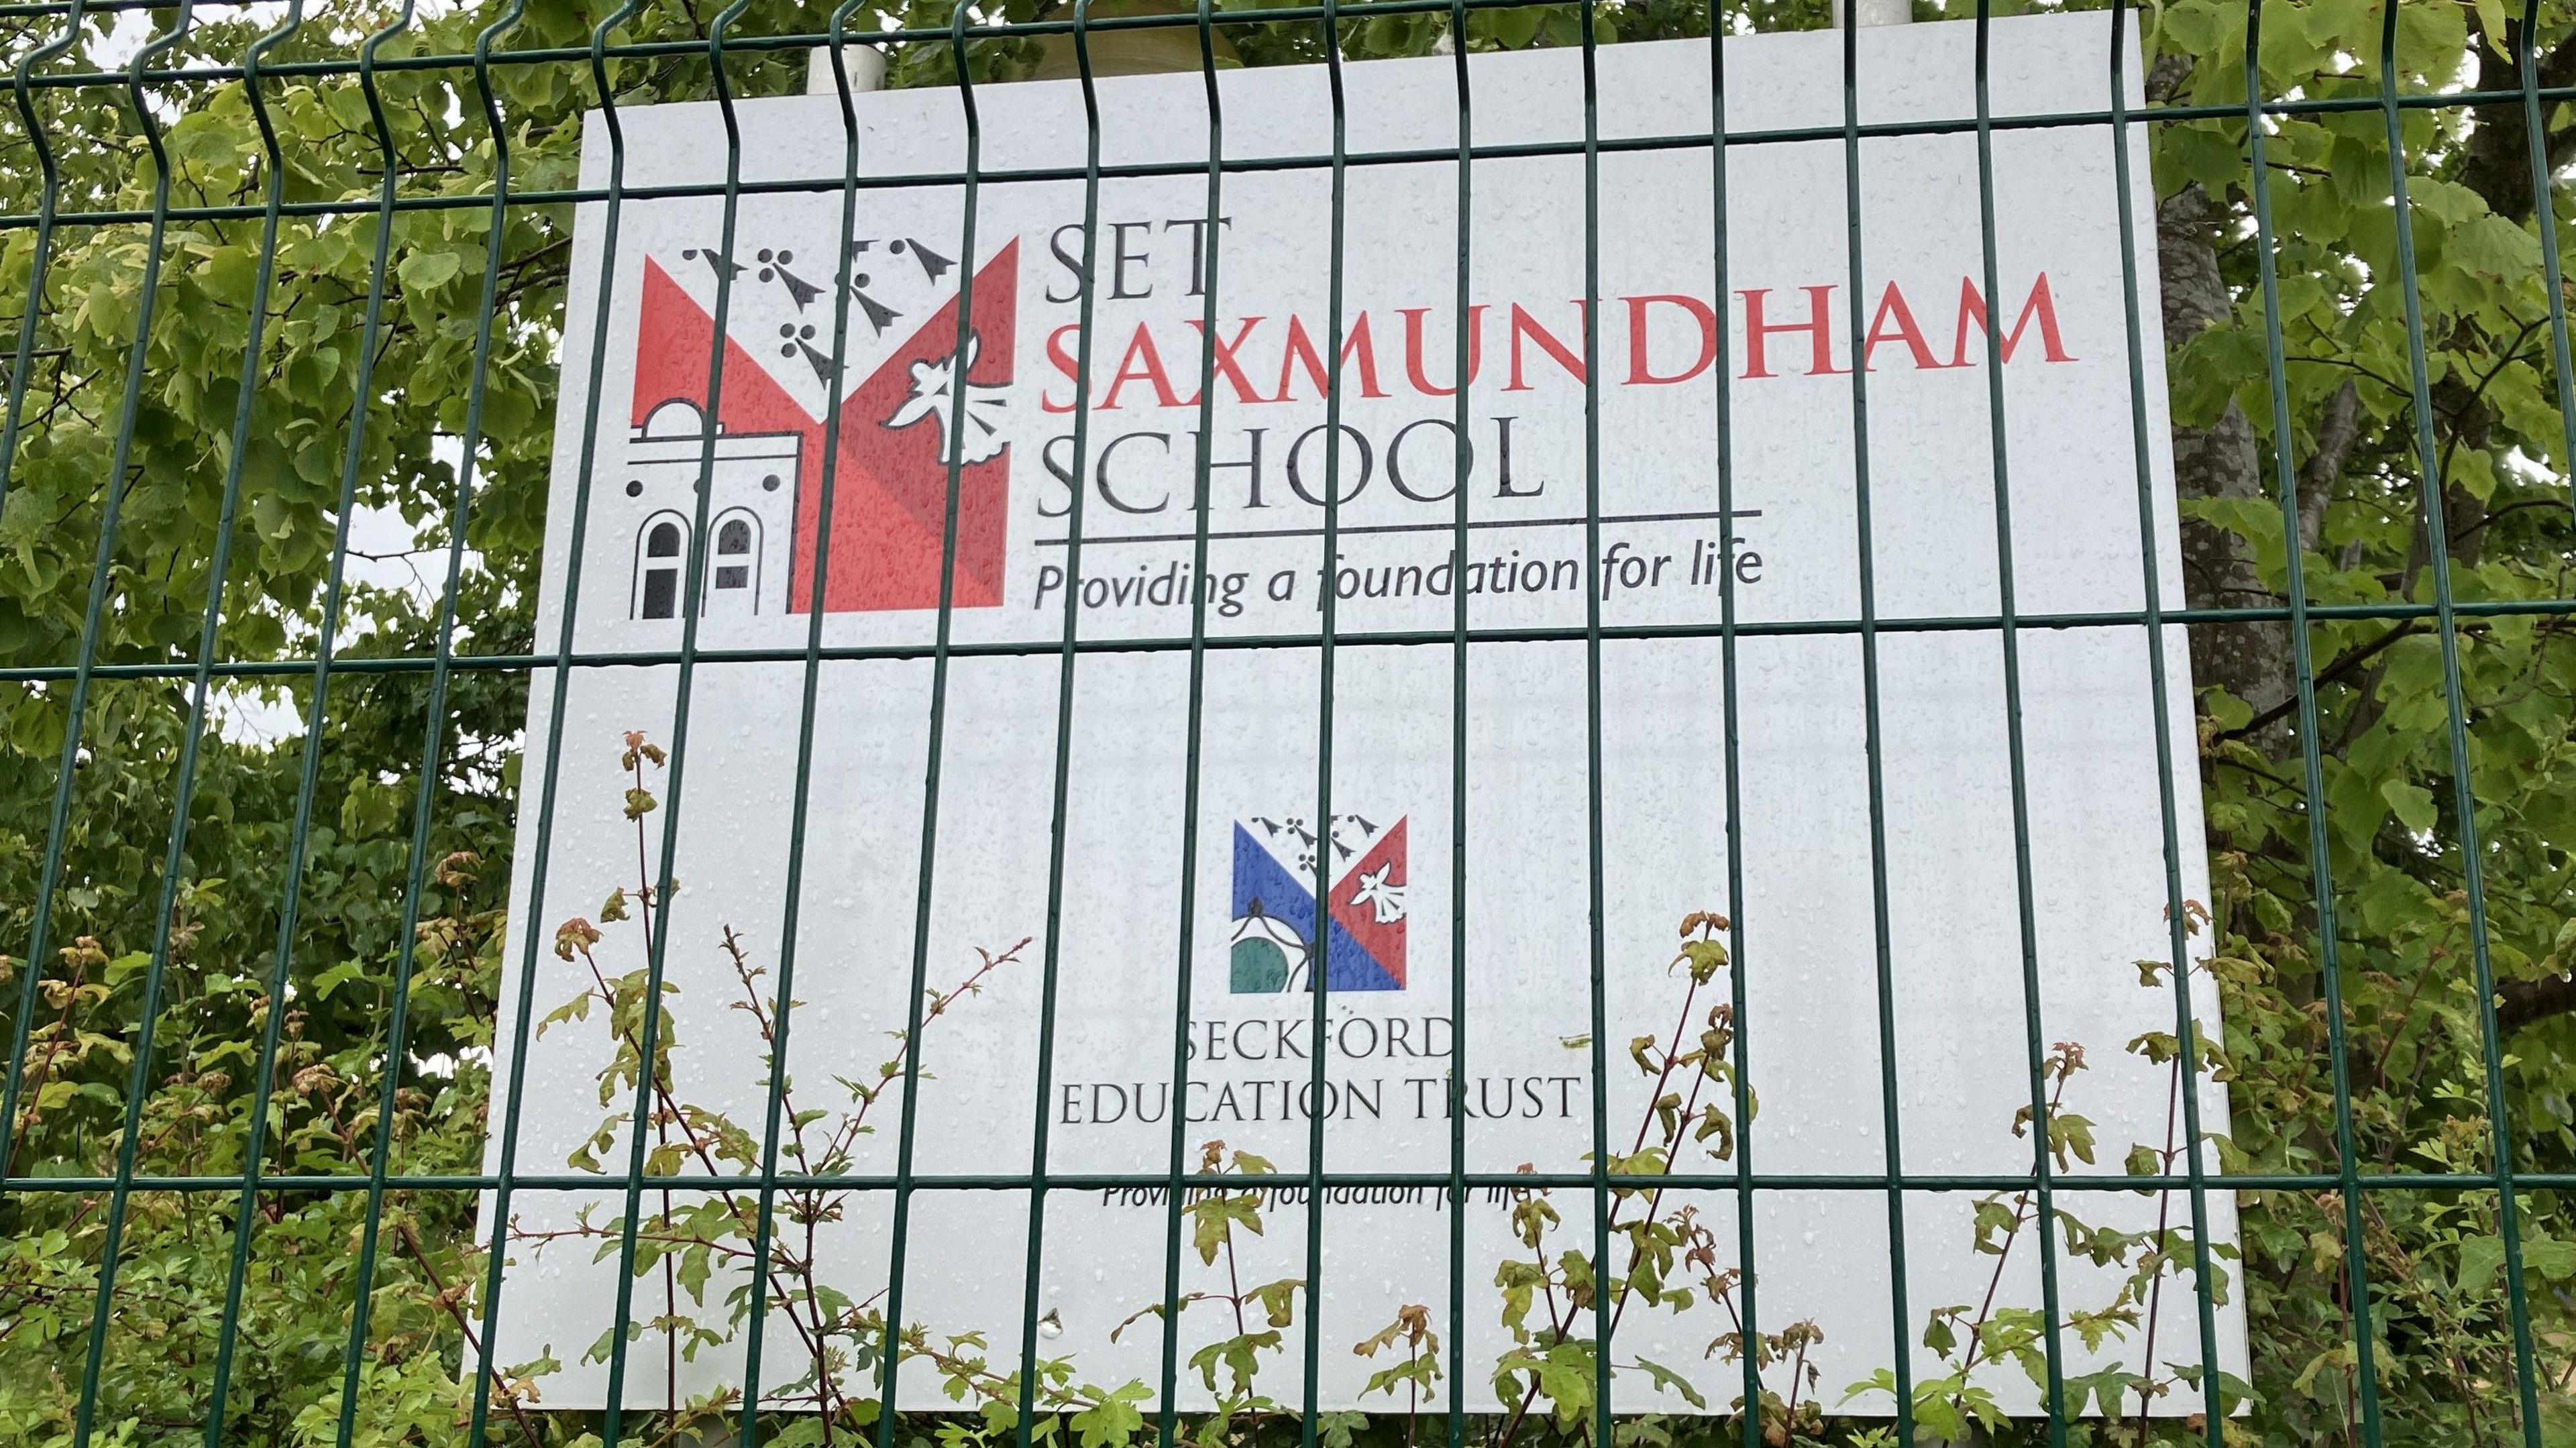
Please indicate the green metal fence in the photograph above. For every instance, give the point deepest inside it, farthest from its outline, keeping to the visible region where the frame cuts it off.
(147, 968)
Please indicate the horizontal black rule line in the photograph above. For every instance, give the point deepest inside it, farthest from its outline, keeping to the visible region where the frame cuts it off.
(1348, 530)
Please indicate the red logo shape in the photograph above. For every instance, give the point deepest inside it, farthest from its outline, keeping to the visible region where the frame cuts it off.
(890, 490)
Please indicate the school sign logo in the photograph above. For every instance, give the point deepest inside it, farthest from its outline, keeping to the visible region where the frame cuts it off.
(899, 434)
(1273, 934)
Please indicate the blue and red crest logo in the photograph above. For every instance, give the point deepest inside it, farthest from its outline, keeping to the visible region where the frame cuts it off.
(1273, 948)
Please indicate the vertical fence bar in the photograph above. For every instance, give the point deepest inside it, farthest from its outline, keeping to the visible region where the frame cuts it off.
(1319, 969)
(1167, 1419)
(1873, 740)
(901, 1234)
(46, 199)
(657, 921)
(24, 1023)
(264, 1076)
(138, 1079)
(2312, 772)
(1730, 707)
(433, 729)
(2159, 692)
(1596, 855)
(2544, 208)
(101, 570)
(200, 686)
(2042, 1164)
(540, 866)
(1462, 464)
(1060, 810)
(756, 1322)
(2464, 802)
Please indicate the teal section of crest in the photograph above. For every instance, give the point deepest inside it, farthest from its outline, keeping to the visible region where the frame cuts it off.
(1258, 968)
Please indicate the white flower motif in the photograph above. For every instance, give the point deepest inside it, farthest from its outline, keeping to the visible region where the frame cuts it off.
(1385, 900)
(933, 396)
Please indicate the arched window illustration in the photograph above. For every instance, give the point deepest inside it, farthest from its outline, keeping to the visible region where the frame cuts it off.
(733, 580)
(660, 553)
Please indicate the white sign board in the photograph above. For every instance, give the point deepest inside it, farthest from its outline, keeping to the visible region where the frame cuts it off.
(1809, 927)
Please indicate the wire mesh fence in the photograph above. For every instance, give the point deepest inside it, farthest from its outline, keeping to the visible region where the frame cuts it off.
(317, 412)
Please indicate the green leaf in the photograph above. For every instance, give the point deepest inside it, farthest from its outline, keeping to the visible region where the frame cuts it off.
(1667, 1379)
(2550, 1257)
(1113, 1419)
(423, 270)
(2480, 1257)
(340, 975)
(2412, 803)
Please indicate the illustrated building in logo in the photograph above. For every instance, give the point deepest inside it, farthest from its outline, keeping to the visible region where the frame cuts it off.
(765, 507)
(750, 513)
(1273, 935)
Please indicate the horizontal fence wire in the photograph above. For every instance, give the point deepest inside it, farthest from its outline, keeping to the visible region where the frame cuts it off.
(449, 653)
(2544, 608)
(1025, 175)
